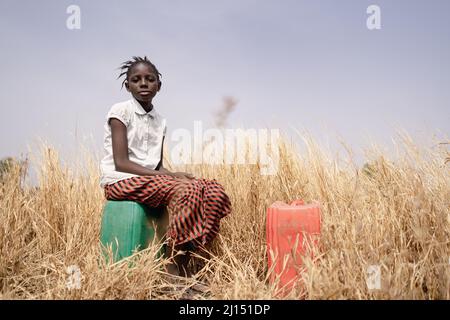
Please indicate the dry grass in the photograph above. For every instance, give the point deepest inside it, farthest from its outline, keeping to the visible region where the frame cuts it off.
(394, 214)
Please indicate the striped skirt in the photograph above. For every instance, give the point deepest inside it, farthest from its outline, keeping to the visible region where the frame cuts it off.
(195, 206)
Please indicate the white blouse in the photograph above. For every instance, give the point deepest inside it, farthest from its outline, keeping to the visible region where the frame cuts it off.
(145, 132)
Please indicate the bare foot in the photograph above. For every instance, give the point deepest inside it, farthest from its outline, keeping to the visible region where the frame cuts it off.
(200, 287)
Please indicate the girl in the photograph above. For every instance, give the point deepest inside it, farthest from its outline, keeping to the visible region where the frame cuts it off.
(133, 169)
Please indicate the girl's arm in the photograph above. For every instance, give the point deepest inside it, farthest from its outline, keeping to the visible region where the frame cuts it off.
(120, 153)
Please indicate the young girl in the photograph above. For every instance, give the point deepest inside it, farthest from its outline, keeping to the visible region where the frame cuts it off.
(133, 169)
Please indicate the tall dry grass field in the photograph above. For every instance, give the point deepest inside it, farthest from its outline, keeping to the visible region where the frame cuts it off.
(393, 214)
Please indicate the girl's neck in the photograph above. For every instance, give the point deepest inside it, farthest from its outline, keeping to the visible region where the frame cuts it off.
(147, 106)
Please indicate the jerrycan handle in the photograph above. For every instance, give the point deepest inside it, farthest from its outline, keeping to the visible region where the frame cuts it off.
(297, 202)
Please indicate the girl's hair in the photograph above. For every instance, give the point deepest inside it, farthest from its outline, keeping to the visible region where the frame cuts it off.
(128, 65)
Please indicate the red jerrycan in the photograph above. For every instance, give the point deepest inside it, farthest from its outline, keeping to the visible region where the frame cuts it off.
(287, 226)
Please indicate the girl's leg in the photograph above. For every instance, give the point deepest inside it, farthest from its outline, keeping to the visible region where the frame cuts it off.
(196, 207)
(172, 267)
(202, 204)
(180, 257)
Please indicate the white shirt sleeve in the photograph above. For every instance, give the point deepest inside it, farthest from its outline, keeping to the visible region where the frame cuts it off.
(119, 111)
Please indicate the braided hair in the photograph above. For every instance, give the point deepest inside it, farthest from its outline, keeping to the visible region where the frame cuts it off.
(128, 65)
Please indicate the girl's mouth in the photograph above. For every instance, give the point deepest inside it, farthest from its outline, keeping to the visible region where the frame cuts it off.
(145, 93)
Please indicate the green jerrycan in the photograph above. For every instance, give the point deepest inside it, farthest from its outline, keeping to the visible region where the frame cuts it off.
(129, 226)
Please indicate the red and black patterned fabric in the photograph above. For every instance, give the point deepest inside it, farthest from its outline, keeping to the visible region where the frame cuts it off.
(195, 206)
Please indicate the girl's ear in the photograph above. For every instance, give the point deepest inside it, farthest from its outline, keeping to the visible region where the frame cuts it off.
(159, 85)
(127, 86)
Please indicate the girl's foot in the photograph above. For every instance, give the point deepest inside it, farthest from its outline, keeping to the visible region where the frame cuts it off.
(200, 287)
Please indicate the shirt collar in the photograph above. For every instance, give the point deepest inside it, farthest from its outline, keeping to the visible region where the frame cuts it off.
(139, 110)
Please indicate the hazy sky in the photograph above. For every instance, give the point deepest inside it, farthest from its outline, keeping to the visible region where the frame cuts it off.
(312, 65)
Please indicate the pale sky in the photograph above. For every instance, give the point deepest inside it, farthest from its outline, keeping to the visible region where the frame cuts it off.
(310, 64)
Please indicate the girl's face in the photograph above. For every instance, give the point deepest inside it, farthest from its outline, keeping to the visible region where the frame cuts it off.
(143, 83)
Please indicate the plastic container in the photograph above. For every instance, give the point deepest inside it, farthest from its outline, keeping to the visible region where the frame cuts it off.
(128, 227)
(287, 226)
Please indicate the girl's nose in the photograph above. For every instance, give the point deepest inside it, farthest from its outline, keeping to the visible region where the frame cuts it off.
(143, 82)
